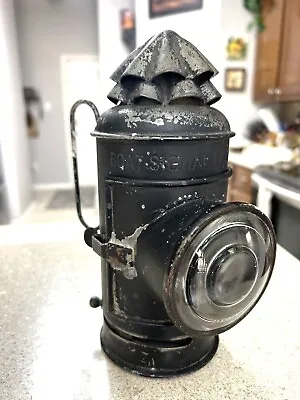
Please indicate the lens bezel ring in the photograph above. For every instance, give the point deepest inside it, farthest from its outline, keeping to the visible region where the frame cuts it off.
(179, 309)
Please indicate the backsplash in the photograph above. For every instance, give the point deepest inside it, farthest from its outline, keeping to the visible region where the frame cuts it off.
(288, 111)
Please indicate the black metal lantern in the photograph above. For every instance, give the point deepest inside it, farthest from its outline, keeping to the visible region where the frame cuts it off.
(179, 264)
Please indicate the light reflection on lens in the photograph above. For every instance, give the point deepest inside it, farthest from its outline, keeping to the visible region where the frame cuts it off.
(227, 271)
(232, 275)
(220, 270)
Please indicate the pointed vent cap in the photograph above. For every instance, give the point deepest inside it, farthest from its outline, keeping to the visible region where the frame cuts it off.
(167, 69)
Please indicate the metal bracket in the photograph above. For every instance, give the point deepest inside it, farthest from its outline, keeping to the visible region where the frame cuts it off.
(119, 257)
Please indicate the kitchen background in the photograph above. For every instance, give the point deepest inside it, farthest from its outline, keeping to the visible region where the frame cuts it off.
(54, 52)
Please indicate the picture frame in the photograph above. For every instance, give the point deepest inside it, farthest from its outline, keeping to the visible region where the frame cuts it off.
(235, 79)
(128, 30)
(158, 8)
(236, 49)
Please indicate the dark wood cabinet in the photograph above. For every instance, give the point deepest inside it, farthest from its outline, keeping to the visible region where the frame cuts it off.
(289, 73)
(277, 75)
(268, 51)
(240, 184)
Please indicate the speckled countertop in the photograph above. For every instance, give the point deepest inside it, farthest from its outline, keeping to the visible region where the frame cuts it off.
(49, 336)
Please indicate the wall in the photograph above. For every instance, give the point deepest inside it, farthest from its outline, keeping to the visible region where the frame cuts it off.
(209, 29)
(13, 140)
(237, 106)
(112, 50)
(46, 30)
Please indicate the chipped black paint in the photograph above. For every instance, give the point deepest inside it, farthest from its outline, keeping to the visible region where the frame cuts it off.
(167, 68)
(162, 168)
(162, 159)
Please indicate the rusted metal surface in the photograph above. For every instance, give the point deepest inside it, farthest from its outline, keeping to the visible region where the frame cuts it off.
(121, 258)
(120, 254)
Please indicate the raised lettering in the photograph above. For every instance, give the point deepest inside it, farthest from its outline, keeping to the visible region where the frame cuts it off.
(154, 163)
(139, 160)
(130, 162)
(196, 163)
(173, 163)
(120, 161)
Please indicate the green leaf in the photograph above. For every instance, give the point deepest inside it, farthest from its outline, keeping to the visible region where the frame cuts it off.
(251, 25)
(253, 6)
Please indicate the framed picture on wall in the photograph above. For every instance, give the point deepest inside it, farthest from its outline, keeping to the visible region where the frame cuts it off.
(128, 28)
(158, 8)
(236, 48)
(235, 79)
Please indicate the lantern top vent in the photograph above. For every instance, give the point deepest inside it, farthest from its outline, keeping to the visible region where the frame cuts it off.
(167, 69)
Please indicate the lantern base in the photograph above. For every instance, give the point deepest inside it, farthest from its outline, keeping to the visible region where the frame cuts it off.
(158, 359)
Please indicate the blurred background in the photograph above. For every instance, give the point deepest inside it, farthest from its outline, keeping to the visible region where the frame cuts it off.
(53, 52)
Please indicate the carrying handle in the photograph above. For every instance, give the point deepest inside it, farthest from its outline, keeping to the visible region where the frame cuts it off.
(78, 103)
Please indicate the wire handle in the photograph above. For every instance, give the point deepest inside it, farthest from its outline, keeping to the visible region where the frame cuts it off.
(74, 156)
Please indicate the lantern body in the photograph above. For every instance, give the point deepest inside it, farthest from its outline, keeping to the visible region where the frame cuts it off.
(151, 188)
(179, 264)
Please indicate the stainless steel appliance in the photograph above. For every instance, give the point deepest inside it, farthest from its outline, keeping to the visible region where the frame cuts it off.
(279, 197)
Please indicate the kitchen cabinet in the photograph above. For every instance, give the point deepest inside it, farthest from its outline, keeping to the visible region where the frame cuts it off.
(289, 72)
(277, 72)
(240, 184)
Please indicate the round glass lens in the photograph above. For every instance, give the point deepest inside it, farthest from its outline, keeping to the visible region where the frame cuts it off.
(231, 275)
(228, 269)
(221, 272)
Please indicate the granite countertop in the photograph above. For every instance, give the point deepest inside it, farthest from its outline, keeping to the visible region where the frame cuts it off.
(50, 336)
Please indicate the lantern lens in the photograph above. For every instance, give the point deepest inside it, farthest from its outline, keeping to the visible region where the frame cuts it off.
(232, 275)
(224, 269)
